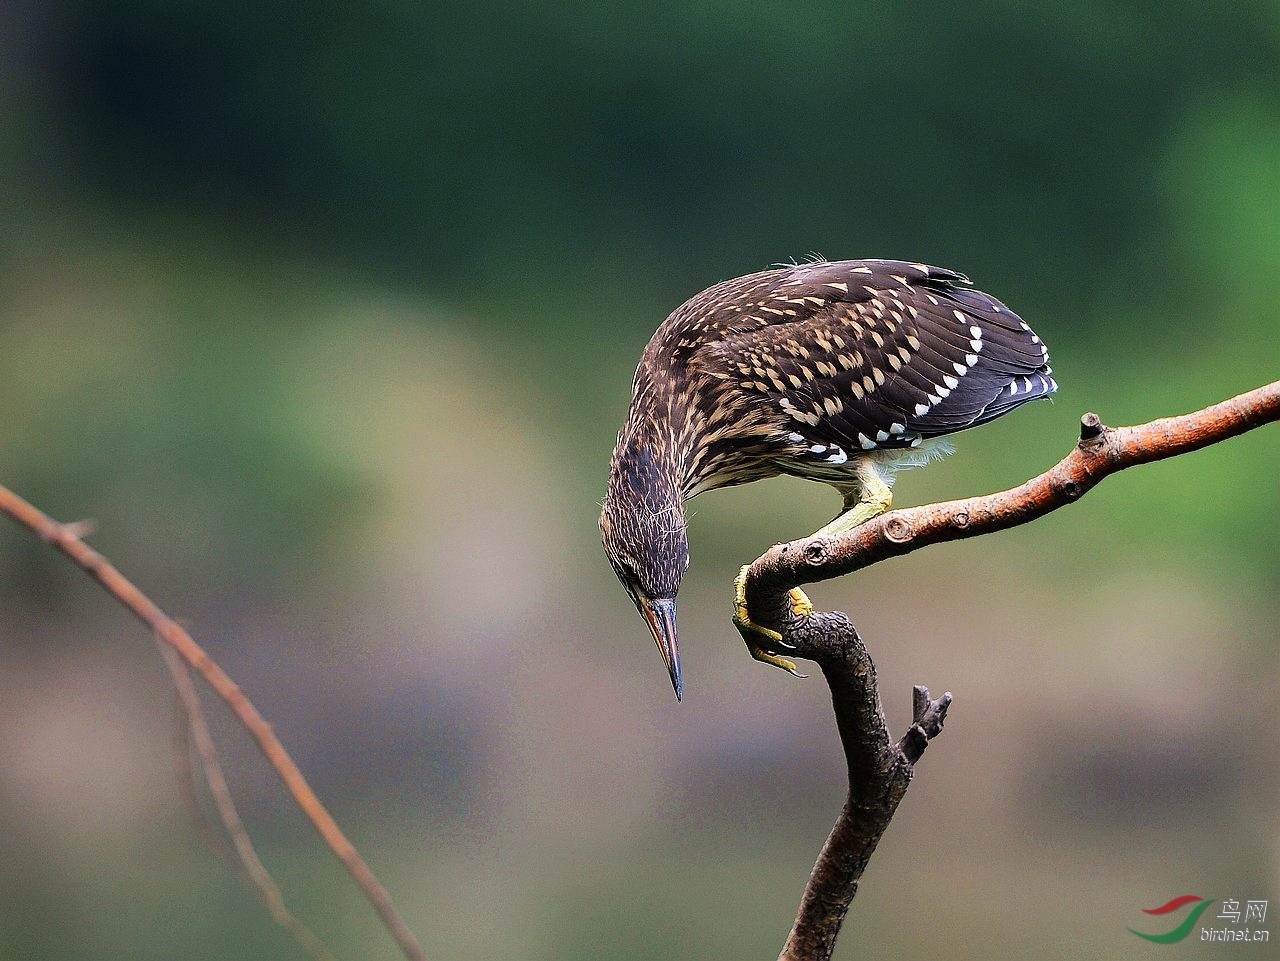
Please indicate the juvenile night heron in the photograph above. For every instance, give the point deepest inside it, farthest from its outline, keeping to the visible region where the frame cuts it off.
(840, 372)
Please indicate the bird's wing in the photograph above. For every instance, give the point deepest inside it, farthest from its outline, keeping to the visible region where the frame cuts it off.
(865, 354)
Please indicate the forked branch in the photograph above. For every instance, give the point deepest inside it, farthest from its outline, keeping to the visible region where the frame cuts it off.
(879, 770)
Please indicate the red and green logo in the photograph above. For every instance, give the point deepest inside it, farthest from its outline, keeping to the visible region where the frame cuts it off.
(1183, 929)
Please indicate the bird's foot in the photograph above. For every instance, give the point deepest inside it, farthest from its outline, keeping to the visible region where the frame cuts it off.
(801, 606)
(762, 641)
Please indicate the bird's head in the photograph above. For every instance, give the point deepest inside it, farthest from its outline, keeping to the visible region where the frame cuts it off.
(643, 530)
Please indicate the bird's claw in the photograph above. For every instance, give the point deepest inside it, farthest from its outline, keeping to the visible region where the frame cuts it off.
(752, 633)
(801, 606)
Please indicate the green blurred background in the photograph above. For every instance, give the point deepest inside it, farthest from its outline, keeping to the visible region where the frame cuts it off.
(327, 313)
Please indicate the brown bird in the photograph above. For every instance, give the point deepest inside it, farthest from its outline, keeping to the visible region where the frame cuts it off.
(840, 372)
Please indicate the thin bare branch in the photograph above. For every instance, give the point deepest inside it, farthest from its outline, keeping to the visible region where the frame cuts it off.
(189, 781)
(66, 538)
(253, 872)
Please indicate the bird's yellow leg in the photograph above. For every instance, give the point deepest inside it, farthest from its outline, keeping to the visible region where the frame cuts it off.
(752, 632)
(870, 499)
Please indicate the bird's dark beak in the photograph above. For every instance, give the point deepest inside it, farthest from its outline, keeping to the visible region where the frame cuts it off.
(661, 616)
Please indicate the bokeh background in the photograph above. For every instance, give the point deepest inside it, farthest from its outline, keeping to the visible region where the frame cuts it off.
(326, 313)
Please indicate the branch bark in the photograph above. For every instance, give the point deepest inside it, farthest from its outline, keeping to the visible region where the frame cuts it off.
(880, 770)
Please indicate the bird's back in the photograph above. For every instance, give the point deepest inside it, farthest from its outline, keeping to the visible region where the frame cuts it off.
(856, 355)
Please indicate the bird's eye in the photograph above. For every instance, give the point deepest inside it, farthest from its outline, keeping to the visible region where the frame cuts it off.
(629, 582)
(626, 571)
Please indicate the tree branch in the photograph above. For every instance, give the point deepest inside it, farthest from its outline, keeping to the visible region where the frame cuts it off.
(879, 771)
(67, 539)
(1100, 451)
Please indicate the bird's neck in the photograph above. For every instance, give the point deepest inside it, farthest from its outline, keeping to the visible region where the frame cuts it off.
(664, 432)
(668, 423)
(649, 460)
